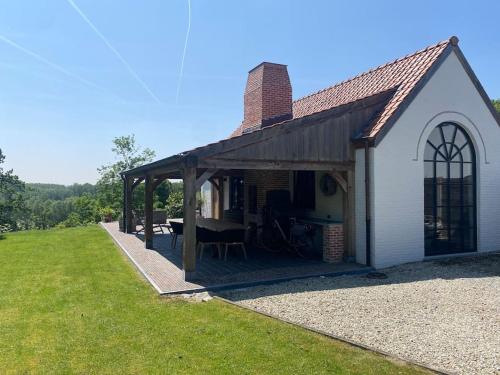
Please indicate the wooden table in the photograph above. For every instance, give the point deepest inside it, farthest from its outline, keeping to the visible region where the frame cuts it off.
(213, 225)
(217, 232)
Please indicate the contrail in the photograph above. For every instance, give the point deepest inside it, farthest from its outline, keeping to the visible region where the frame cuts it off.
(184, 53)
(59, 68)
(115, 52)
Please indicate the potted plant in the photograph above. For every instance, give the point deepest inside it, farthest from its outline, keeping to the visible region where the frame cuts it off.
(107, 214)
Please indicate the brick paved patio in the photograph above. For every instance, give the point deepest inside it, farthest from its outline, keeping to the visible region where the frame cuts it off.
(162, 267)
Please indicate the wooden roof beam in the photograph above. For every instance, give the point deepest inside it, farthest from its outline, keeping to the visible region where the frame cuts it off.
(275, 165)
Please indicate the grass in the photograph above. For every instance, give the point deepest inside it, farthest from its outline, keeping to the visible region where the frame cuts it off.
(70, 303)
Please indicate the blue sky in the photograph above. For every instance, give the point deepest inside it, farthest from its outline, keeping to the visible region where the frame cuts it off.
(57, 125)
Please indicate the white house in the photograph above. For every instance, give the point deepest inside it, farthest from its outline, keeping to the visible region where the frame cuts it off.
(412, 146)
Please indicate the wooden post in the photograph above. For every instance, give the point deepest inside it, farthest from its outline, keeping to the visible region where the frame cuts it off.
(124, 202)
(128, 202)
(189, 241)
(148, 212)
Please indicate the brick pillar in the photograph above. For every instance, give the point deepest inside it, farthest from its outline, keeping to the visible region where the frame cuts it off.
(333, 243)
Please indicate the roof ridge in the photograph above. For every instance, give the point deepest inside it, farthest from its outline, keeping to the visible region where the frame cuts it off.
(449, 40)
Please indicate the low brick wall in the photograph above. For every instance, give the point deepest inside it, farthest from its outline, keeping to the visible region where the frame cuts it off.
(333, 243)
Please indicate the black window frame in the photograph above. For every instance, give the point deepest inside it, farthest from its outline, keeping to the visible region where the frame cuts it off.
(440, 193)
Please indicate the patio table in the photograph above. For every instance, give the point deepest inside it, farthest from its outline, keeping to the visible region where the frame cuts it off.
(213, 225)
(213, 231)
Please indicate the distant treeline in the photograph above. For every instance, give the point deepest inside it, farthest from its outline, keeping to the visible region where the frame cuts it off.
(41, 206)
(60, 192)
(51, 205)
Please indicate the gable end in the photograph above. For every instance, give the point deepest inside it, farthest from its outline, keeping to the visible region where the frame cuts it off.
(452, 47)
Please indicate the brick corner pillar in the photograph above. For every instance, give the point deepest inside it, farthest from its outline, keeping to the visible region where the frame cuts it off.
(333, 243)
(189, 230)
(148, 212)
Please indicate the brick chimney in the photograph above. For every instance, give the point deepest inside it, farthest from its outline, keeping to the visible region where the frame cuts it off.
(268, 96)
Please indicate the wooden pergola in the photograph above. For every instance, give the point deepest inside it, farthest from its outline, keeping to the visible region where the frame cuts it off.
(319, 142)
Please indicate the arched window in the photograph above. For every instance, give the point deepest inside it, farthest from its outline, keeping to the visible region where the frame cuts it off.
(449, 191)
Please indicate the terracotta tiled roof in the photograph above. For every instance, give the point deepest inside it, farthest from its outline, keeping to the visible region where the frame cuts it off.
(402, 75)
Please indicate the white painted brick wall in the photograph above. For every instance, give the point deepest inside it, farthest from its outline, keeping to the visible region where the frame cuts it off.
(359, 183)
(398, 177)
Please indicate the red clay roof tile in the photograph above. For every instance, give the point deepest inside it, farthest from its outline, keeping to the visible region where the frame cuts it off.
(401, 74)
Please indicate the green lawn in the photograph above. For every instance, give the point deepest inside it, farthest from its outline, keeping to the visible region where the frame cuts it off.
(71, 303)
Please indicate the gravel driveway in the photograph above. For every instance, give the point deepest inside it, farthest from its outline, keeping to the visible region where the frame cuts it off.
(445, 314)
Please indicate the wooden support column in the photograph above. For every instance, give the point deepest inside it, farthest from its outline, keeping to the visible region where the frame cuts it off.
(148, 212)
(189, 241)
(127, 209)
(123, 223)
(204, 177)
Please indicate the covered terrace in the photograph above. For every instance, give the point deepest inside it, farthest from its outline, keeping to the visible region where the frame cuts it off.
(318, 142)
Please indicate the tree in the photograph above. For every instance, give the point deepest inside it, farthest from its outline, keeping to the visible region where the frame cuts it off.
(110, 184)
(86, 209)
(496, 104)
(11, 198)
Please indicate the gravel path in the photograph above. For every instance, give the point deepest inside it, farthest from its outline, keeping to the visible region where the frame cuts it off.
(445, 314)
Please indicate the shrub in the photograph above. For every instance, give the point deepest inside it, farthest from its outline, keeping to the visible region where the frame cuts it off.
(175, 204)
(107, 214)
(73, 220)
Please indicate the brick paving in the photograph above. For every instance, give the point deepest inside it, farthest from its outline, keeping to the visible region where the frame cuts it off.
(163, 266)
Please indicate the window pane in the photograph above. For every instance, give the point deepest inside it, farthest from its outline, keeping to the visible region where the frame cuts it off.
(455, 239)
(442, 233)
(428, 171)
(460, 139)
(442, 155)
(466, 154)
(468, 216)
(236, 193)
(455, 195)
(428, 195)
(435, 137)
(455, 172)
(468, 195)
(429, 244)
(441, 217)
(429, 152)
(441, 194)
(455, 216)
(448, 130)
(468, 173)
(429, 222)
(441, 170)
(455, 154)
